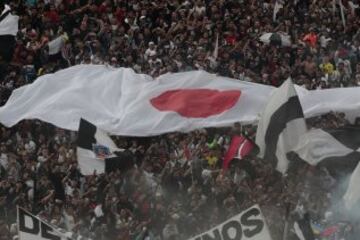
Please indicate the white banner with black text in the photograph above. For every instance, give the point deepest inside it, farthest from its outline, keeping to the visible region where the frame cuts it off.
(247, 225)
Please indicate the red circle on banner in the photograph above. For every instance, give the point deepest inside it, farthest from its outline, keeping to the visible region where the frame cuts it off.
(196, 103)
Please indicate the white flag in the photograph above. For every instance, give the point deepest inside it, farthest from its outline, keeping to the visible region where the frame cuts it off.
(9, 25)
(121, 102)
(56, 45)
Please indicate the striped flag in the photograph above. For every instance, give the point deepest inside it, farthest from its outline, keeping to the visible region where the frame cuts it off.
(338, 150)
(281, 126)
(330, 147)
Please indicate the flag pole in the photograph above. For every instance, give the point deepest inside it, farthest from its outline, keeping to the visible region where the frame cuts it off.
(342, 13)
(286, 226)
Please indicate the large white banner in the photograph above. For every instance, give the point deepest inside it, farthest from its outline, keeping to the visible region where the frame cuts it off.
(121, 102)
(248, 225)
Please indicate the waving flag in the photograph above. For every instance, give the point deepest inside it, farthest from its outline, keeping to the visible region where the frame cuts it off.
(326, 146)
(281, 126)
(94, 149)
(121, 102)
(339, 151)
(9, 26)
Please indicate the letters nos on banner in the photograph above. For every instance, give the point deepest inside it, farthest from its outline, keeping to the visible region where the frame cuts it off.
(248, 225)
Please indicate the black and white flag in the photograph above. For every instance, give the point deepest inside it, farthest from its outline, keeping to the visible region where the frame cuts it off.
(9, 26)
(281, 126)
(338, 150)
(94, 149)
(332, 148)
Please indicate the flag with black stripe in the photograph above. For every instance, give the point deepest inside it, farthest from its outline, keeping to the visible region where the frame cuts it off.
(9, 25)
(281, 126)
(302, 228)
(338, 150)
(93, 148)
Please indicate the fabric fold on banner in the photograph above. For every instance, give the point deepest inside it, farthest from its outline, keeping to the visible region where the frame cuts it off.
(280, 127)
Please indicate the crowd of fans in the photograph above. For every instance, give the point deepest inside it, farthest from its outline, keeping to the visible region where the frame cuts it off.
(169, 195)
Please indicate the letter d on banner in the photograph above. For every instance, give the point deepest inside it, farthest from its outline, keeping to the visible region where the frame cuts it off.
(33, 228)
(28, 223)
